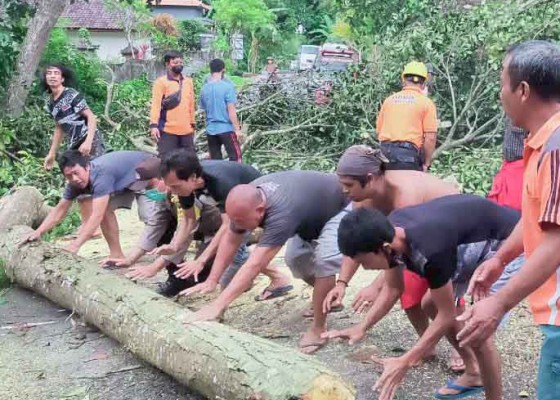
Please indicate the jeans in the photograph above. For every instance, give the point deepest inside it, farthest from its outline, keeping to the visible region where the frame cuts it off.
(548, 385)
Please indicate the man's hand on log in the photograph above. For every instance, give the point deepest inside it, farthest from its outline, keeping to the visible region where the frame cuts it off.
(165, 250)
(189, 268)
(142, 272)
(206, 313)
(208, 286)
(32, 237)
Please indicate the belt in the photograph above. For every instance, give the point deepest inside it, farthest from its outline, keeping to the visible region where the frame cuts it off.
(402, 144)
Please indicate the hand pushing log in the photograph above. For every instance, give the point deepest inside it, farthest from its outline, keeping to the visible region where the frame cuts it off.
(213, 359)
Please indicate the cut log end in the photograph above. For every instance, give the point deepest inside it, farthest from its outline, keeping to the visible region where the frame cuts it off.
(327, 387)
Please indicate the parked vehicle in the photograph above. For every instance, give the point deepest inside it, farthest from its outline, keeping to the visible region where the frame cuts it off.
(307, 56)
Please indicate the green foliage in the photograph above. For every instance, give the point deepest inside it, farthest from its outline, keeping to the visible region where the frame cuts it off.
(13, 27)
(189, 39)
(242, 15)
(4, 281)
(66, 227)
(474, 168)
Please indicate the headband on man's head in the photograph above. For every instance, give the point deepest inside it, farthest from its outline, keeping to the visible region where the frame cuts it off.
(361, 160)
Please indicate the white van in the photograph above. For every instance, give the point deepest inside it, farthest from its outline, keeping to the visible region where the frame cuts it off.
(307, 55)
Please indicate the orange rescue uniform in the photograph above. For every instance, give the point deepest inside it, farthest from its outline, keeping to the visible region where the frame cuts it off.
(406, 116)
(181, 119)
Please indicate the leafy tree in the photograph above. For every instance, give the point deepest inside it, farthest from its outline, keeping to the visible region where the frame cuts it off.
(250, 17)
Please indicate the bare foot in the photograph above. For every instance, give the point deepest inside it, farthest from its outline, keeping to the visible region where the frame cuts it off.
(456, 363)
(311, 341)
(466, 380)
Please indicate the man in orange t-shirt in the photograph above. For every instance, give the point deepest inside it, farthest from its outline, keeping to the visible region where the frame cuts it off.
(172, 116)
(407, 122)
(531, 97)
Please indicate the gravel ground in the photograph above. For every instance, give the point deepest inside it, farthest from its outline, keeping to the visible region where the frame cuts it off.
(66, 360)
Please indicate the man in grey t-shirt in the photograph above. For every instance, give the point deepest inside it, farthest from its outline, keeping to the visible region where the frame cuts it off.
(109, 182)
(296, 207)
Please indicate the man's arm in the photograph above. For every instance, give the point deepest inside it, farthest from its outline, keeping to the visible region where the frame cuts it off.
(233, 117)
(430, 141)
(155, 110)
(444, 302)
(385, 301)
(182, 237)
(389, 295)
(483, 318)
(212, 248)
(99, 207)
(512, 247)
(58, 135)
(336, 294)
(258, 260)
(85, 148)
(56, 215)
(192, 106)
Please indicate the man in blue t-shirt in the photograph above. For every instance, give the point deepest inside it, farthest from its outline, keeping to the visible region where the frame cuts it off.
(217, 100)
(109, 182)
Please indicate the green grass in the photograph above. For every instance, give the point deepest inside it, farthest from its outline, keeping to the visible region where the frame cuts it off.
(66, 227)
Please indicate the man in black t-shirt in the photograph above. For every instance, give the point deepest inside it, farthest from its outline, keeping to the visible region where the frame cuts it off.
(427, 239)
(207, 180)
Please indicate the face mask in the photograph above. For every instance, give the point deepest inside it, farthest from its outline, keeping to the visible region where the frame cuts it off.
(156, 195)
(177, 69)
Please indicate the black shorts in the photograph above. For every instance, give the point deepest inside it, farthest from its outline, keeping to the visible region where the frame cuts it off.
(229, 141)
(168, 142)
(402, 155)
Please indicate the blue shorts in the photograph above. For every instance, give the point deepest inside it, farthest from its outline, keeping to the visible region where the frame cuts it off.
(549, 366)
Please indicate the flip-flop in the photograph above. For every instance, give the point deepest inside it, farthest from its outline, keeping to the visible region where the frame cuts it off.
(273, 293)
(318, 345)
(309, 313)
(464, 391)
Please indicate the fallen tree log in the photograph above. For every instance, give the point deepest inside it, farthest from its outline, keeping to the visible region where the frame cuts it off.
(211, 358)
(25, 206)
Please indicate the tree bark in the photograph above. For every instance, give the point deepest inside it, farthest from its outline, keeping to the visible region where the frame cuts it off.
(213, 359)
(25, 206)
(39, 28)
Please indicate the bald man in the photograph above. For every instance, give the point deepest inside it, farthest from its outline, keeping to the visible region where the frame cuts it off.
(293, 207)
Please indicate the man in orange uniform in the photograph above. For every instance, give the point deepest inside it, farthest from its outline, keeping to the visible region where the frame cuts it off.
(172, 115)
(407, 122)
(530, 95)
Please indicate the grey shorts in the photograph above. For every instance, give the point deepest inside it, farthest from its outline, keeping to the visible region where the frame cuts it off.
(470, 256)
(320, 258)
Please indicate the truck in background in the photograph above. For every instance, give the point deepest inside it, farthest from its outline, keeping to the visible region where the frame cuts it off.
(307, 56)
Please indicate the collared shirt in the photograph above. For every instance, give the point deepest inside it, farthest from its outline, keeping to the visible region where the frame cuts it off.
(541, 205)
(180, 120)
(406, 116)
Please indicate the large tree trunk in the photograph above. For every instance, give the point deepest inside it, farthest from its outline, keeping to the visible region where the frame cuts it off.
(39, 28)
(27, 199)
(214, 359)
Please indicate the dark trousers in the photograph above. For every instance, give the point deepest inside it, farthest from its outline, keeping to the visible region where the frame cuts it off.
(168, 142)
(183, 284)
(229, 141)
(402, 155)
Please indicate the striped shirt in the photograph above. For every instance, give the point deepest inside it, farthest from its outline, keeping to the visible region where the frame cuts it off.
(540, 206)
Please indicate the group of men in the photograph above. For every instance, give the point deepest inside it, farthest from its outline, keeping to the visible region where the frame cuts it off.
(381, 210)
(172, 115)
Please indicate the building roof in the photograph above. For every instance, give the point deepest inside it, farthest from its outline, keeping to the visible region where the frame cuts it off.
(183, 3)
(91, 15)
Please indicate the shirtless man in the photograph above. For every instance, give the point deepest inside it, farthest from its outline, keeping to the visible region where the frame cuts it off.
(361, 171)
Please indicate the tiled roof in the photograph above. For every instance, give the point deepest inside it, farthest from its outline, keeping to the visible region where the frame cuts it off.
(184, 3)
(91, 15)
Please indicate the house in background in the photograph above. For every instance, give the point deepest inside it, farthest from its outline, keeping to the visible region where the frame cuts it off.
(181, 9)
(108, 38)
